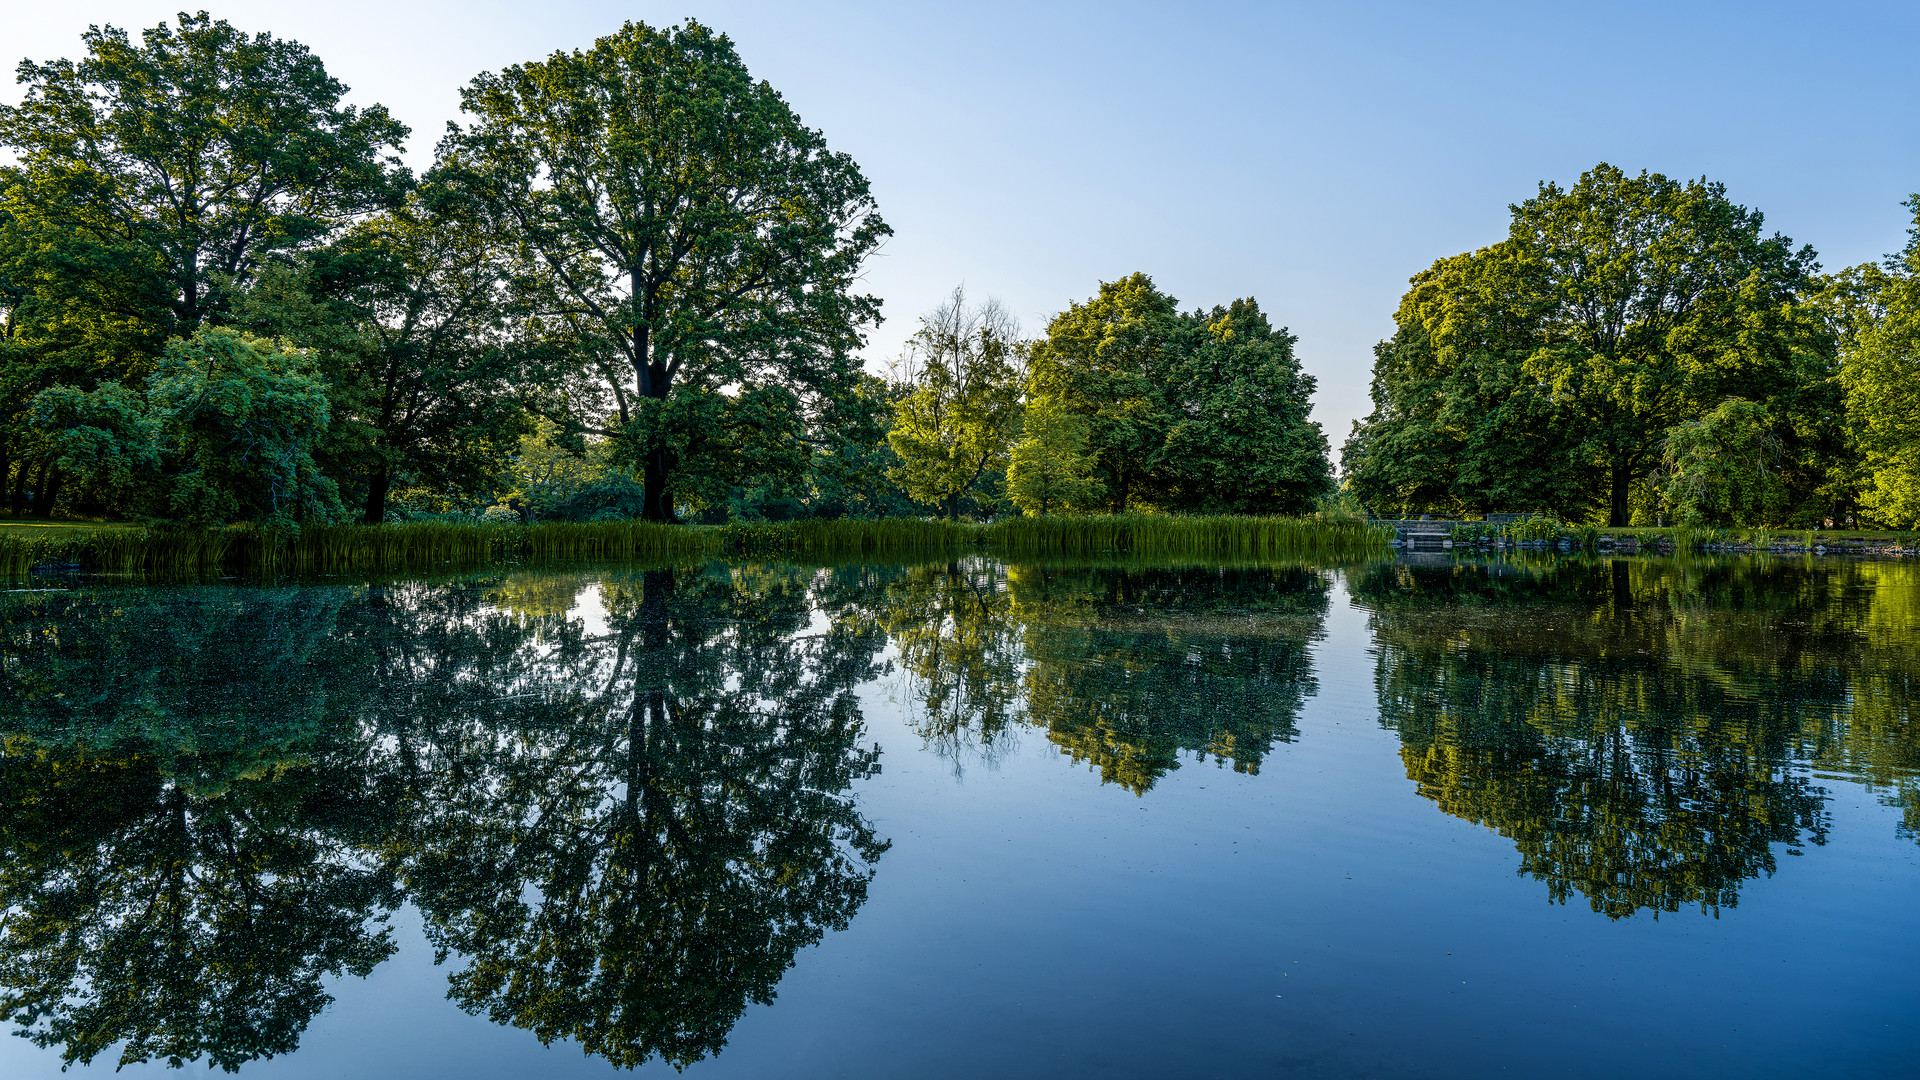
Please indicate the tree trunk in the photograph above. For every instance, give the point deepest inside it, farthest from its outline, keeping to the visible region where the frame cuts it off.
(18, 502)
(46, 490)
(659, 501)
(377, 488)
(1620, 513)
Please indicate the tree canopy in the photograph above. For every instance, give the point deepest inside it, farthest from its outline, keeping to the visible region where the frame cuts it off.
(676, 223)
(1545, 371)
(1880, 370)
(961, 403)
(202, 148)
(1205, 411)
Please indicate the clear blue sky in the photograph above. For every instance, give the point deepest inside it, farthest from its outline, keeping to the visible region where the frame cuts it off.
(1311, 155)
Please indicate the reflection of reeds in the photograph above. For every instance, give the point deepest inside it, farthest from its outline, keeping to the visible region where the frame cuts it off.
(421, 545)
(1128, 536)
(844, 537)
(350, 547)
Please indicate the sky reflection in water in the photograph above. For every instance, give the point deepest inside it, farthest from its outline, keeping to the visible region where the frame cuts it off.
(1039, 820)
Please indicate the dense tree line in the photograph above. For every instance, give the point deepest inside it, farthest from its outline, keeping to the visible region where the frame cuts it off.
(628, 286)
(1637, 350)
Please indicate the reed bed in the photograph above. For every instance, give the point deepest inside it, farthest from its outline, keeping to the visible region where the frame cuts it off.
(19, 554)
(1154, 536)
(114, 550)
(614, 540)
(422, 545)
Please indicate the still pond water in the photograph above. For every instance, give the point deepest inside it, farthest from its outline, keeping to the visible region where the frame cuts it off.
(1574, 818)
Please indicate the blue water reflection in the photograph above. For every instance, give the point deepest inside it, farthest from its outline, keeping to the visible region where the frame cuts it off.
(961, 818)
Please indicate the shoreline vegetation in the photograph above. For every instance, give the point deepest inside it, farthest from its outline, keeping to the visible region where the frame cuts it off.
(329, 337)
(112, 548)
(413, 545)
(1546, 534)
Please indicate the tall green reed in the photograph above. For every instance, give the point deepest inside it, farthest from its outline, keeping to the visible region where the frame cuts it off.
(1185, 537)
(421, 545)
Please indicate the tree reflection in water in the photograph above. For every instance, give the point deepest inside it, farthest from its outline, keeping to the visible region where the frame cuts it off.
(185, 850)
(622, 815)
(1643, 730)
(635, 874)
(214, 798)
(1126, 668)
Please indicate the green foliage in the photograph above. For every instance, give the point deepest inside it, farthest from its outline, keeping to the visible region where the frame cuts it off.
(1098, 360)
(239, 419)
(727, 440)
(1340, 505)
(224, 431)
(848, 476)
(1653, 299)
(1722, 468)
(1457, 427)
(553, 481)
(1049, 470)
(1880, 370)
(674, 221)
(960, 402)
(157, 184)
(1199, 412)
(1240, 439)
(406, 314)
(207, 149)
(1535, 528)
(110, 435)
(1546, 370)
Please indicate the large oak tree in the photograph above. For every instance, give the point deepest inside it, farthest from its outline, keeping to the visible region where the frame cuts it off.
(1548, 368)
(204, 146)
(697, 242)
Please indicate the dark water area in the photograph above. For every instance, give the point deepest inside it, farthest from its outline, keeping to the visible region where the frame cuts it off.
(1420, 818)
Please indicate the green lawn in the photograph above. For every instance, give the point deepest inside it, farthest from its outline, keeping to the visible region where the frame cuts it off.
(58, 528)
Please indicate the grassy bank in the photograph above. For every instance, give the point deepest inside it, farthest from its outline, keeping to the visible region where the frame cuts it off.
(32, 527)
(436, 544)
(1678, 539)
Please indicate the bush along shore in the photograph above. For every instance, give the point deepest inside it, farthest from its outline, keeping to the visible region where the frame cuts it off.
(333, 548)
(1546, 534)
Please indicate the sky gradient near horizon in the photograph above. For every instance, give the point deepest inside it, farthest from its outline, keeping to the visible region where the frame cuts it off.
(1313, 156)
